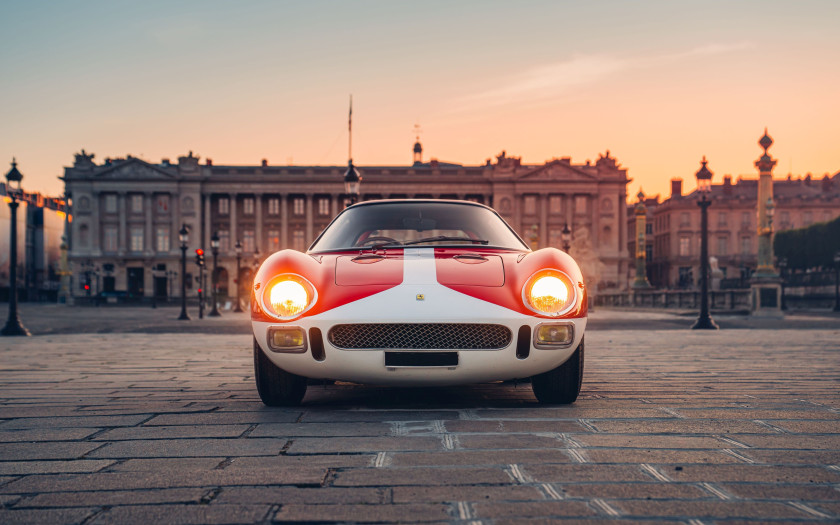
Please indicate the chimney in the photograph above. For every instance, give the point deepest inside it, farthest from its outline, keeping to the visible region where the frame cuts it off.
(676, 188)
(808, 179)
(826, 183)
(264, 163)
(727, 185)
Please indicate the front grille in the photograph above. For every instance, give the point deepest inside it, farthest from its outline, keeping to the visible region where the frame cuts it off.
(421, 336)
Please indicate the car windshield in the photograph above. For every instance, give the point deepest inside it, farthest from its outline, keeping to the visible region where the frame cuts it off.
(406, 223)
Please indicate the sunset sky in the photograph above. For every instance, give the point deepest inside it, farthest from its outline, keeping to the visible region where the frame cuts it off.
(658, 83)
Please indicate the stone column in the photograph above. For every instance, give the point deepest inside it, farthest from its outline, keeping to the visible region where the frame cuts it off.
(335, 204)
(258, 219)
(148, 233)
(95, 226)
(121, 236)
(309, 222)
(205, 210)
(542, 202)
(284, 222)
(233, 235)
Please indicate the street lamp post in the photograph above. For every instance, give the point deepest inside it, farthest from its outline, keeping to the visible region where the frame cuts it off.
(238, 248)
(184, 237)
(214, 246)
(13, 324)
(837, 282)
(566, 237)
(704, 187)
(352, 182)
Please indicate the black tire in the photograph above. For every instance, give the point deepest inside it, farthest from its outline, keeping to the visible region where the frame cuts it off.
(277, 388)
(561, 386)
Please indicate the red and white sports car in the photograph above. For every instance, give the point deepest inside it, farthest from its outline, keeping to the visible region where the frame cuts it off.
(414, 293)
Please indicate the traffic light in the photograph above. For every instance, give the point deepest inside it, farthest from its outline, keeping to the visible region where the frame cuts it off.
(199, 257)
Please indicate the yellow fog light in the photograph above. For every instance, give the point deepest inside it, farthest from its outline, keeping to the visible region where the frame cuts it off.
(549, 292)
(553, 335)
(292, 339)
(288, 296)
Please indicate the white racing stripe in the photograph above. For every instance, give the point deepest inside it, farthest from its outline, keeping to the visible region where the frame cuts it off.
(419, 266)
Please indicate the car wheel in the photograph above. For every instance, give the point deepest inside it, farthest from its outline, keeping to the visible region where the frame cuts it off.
(561, 385)
(277, 388)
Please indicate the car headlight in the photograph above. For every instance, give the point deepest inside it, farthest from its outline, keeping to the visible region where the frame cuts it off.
(288, 296)
(549, 292)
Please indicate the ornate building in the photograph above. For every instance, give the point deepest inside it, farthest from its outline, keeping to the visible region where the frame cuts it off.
(674, 247)
(127, 212)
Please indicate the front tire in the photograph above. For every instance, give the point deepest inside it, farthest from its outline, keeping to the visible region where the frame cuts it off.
(561, 385)
(277, 388)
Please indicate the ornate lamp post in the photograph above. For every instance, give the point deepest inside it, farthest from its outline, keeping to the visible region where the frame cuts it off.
(641, 281)
(238, 248)
(766, 207)
(184, 238)
(13, 324)
(352, 182)
(214, 246)
(566, 237)
(837, 282)
(704, 187)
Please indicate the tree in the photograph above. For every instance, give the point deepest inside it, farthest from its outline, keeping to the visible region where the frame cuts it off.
(809, 247)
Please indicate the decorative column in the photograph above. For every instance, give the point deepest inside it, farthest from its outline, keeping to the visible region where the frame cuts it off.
(234, 236)
(641, 281)
(149, 234)
(542, 202)
(765, 285)
(309, 221)
(205, 209)
(284, 221)
(122, 243)
(258, 215)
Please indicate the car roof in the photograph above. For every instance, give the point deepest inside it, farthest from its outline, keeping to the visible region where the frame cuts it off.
(415, 201)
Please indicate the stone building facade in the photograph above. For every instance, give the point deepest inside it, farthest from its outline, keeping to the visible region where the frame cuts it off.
(674, 246)
(127, 212)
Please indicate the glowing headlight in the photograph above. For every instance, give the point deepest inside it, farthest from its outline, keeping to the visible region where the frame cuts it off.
(549, 292)
(288, 296)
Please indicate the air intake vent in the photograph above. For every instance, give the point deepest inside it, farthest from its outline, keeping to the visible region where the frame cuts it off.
(420, 336)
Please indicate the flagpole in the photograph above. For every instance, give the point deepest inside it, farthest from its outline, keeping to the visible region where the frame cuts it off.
(350, 131)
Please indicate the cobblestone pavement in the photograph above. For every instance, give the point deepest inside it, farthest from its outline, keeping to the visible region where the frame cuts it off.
(672, 427)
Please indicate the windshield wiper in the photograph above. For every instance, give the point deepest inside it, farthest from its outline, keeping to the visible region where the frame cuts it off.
(446, 238)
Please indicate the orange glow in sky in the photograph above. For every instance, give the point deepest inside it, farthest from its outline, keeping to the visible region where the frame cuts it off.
(658, 83)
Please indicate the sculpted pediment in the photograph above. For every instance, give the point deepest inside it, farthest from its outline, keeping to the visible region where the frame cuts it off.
(557, 170)
(134, 169)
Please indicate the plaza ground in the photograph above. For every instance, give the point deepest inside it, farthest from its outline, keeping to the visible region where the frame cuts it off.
(124, 415)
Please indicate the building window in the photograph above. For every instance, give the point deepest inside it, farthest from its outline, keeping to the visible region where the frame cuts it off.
(248, 242)
(785, 220)
(721, 245)
(530, 205)
(110, 239)
(685, 246)
(110, 203)
(224, 241)
(224, 206)
(722, 217)
(136, 203)
(273, 206)
(684, 220)
(581, 204)
(649, 229)
(323, 207)
(273, 240)
(555, 204)
(298, 206)
(649, 252)
(162, 204)
(248, 206)
(136, 239)
(745, 219)
(298, 242)
(807, 219)
(162, 239)
(746, 245)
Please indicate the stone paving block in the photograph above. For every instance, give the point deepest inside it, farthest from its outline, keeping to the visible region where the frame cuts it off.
(305, 496)
(227, 418)
(677, 426)
(751, 473)
(583, 472)
(339, 416)
(574, 412)
(321, 429)
(479, 457)
(8, 500)
(759, 413)
(651, 490)
(787, 441)
(673, 456)
(361, 444)
(52, 467)
(508, 441)
(309, 460)
(553, 509)
(363, 513)
(112, 498)
(178, 448)
(173, 432)
(71, 516)
(513, 425)
(46, 434)
(46, 450)
(807, 427)
(793, 457)
(710, 509)
(74, 421)
(375, 477)
(471, 493)
(163, 464)
(649, 441)
(804, 491)
(183, 514)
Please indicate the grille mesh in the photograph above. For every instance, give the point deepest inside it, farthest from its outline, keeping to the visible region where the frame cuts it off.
(450, 336)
